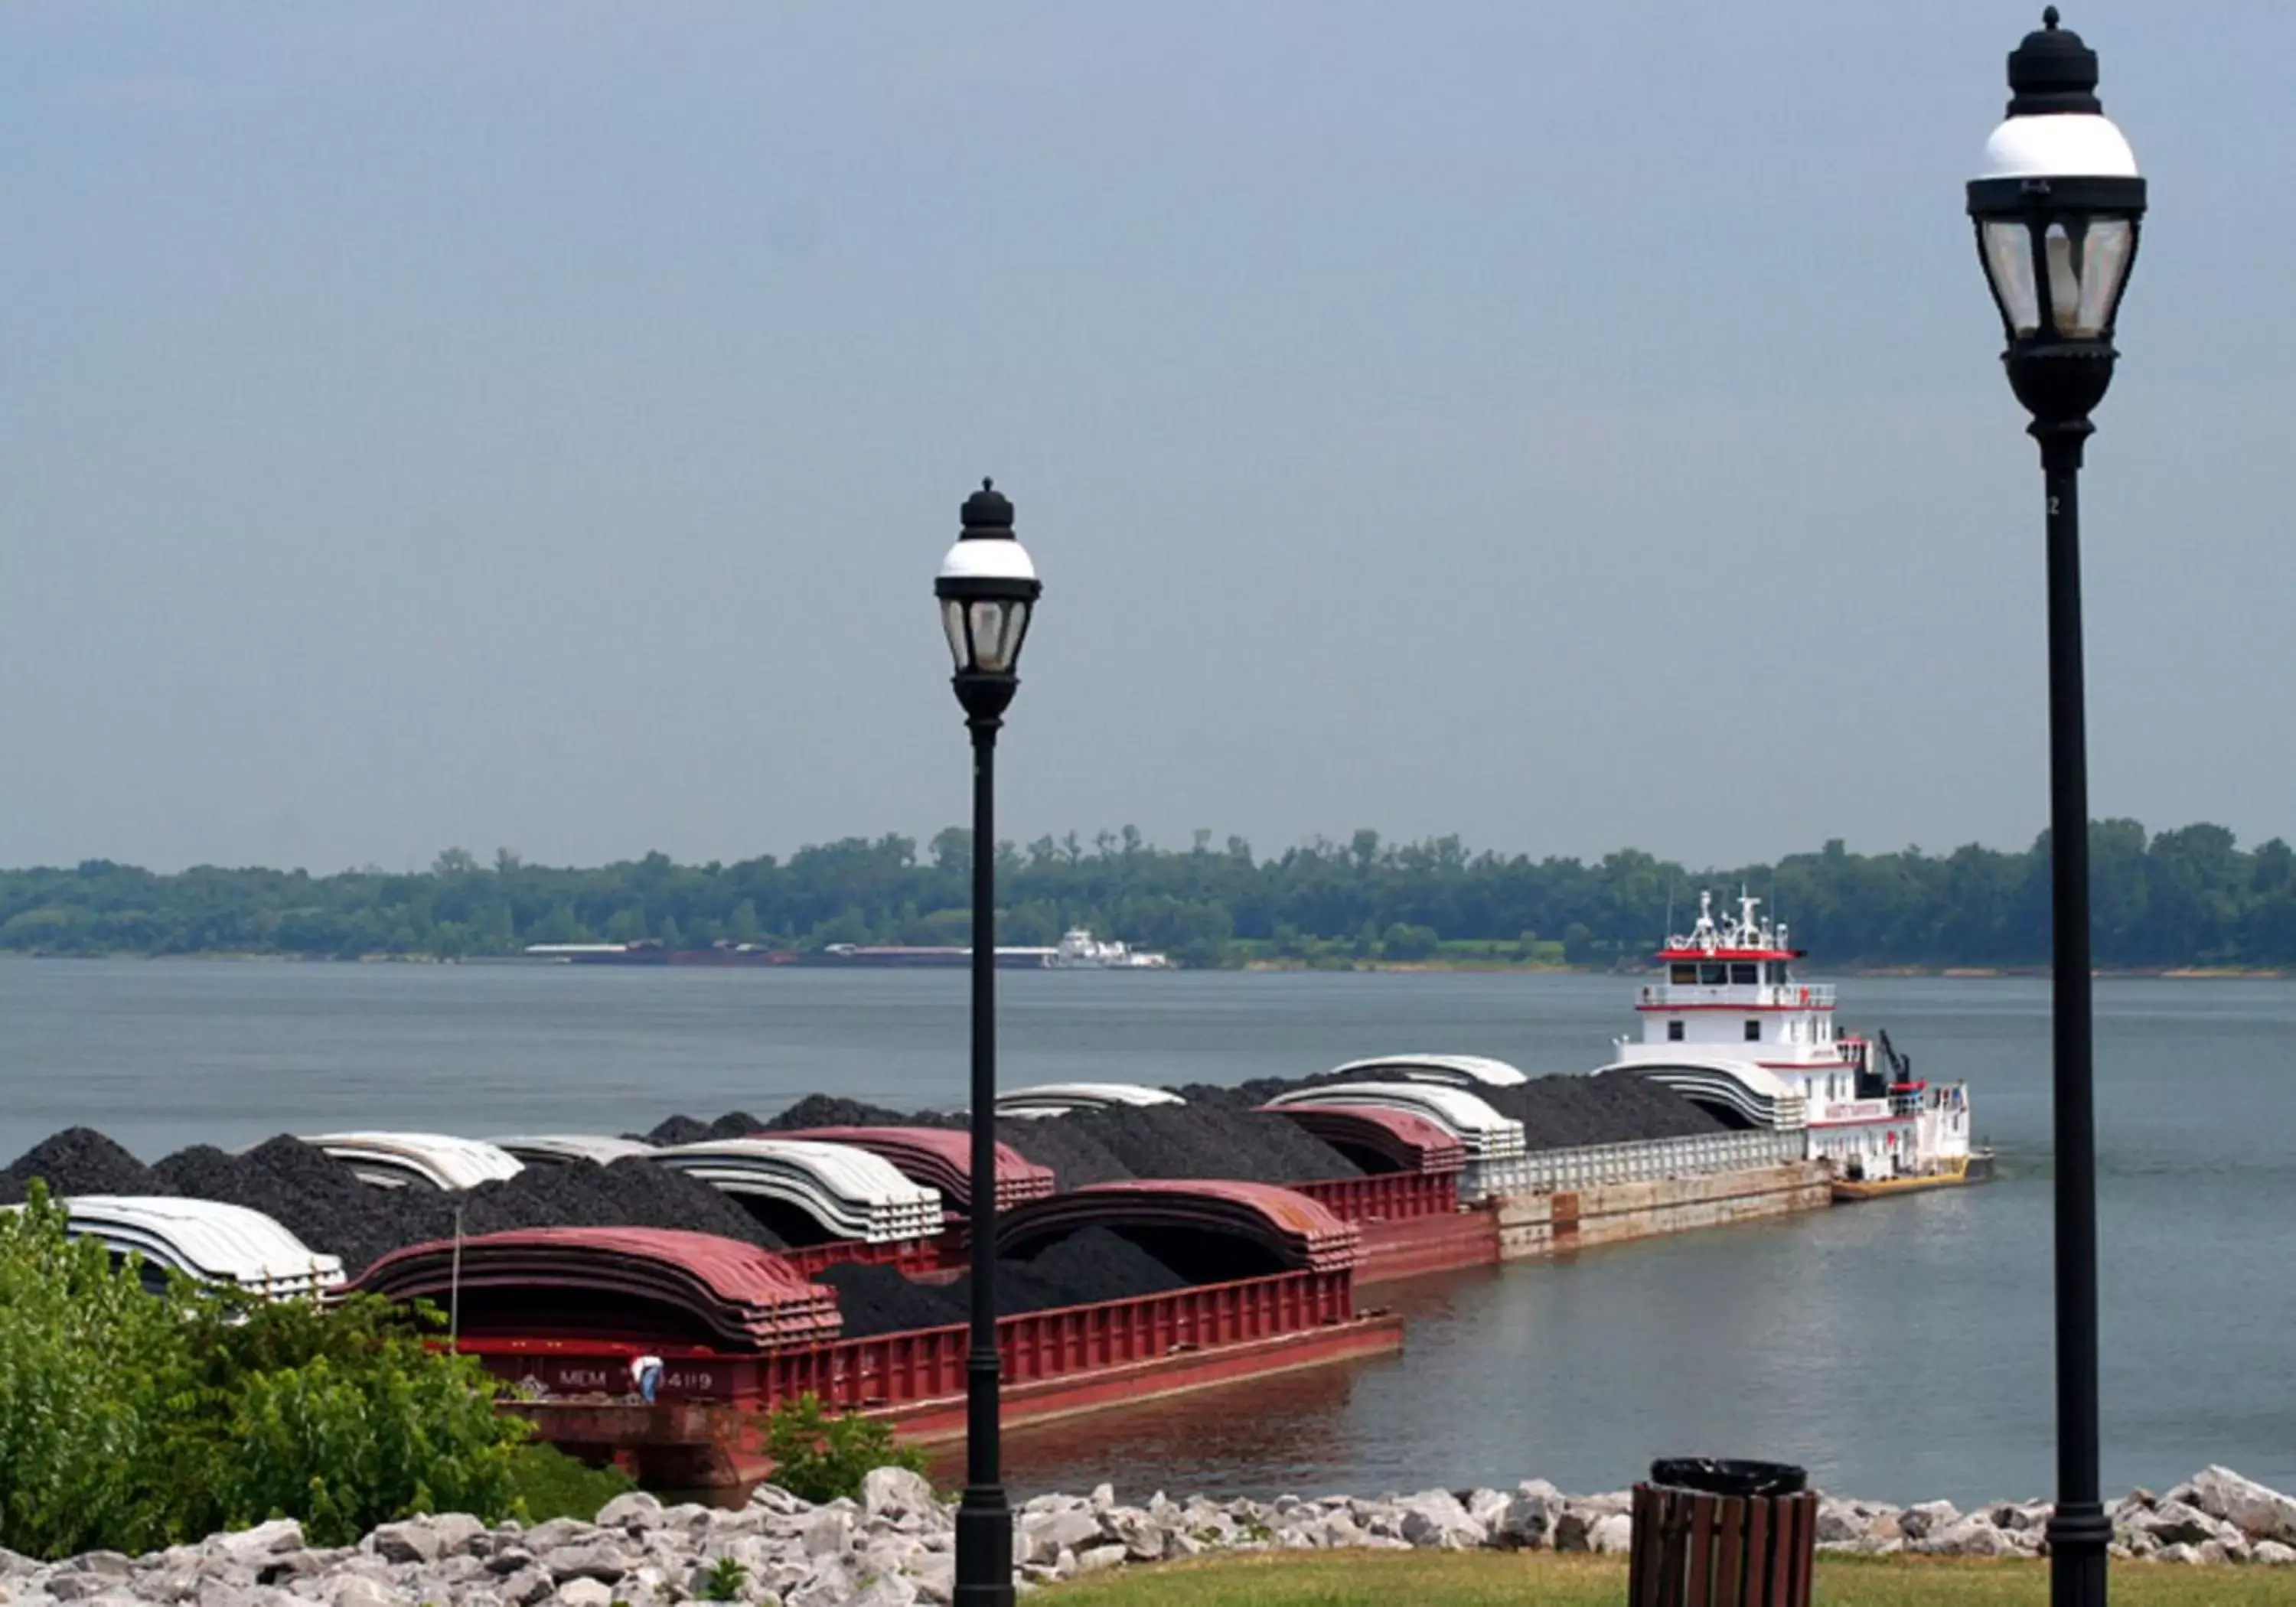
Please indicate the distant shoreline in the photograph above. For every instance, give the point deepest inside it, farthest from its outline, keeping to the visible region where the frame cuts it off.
(2173, 973)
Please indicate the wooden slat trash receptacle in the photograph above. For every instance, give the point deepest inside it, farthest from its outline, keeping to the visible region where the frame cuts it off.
(1723, 1534)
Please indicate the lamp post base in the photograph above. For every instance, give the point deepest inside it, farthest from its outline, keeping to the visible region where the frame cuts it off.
(984, 1547)
(2079, 1532)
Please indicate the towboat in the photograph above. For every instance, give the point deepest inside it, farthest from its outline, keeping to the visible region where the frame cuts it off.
(1731, 1027)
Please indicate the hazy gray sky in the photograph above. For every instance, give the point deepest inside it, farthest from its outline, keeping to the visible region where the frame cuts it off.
(1567, 425)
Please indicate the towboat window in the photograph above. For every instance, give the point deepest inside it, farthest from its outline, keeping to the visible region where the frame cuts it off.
(1744, 974)
(1685, 975)
(1674, 1032)
(1713, 974)
(1753, 1032)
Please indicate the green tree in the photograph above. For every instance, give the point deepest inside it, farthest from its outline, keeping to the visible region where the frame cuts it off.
(1405, 942)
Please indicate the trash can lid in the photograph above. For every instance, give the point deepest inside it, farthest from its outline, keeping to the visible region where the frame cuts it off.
(1722, 1476)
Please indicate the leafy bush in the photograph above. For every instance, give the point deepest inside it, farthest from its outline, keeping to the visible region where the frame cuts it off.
(80, 1403)
(550, 1484)
(130, 1421)
(819, 1458)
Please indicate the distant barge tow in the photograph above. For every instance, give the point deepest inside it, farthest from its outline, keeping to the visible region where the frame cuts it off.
(1077, 950)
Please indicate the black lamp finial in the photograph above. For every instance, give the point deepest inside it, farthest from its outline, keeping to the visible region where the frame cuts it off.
(2052, 71)
(987, 512)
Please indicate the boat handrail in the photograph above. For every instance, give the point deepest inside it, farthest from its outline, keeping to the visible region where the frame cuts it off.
(1772, 995)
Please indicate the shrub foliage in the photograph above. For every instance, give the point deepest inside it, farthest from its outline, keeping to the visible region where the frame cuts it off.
(131, 1420)
(817, 1457)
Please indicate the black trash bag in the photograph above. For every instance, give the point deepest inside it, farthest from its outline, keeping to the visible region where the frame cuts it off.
(1717, 1476)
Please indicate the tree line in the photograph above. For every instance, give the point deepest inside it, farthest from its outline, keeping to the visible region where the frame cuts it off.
(2187, 897)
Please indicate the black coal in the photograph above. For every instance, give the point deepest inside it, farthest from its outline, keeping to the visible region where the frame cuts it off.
(1082, 1269)
(79, 1160)
(316, 1198)
(1557, 1112)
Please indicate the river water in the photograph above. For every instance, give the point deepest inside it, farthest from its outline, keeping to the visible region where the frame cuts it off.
(1899, 1349)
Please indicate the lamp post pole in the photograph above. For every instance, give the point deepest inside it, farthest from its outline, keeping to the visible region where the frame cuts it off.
(2077, 1530)
(984, 1518)
(987, 590)
(2057, 211)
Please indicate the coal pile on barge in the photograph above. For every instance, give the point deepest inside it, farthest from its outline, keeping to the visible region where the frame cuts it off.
(1618, 1107)
(1086, 1269)
(1124, 1143)
(1557, 1112)
(318, 1200)
(79, 1160)
(683, 1129)
(1190, 1141)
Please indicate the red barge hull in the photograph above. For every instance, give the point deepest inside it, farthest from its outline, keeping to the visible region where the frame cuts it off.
(706, 1429)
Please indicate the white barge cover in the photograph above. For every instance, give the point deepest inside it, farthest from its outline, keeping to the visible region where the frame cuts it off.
(1459, 1071)
(422, 1159)
(214, 1242)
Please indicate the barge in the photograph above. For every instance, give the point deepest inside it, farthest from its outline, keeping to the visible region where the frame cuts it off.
(705, 1429)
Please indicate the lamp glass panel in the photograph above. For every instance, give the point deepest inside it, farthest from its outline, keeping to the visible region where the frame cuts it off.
(2009, 264)
(1016, 630)
(2106, 250)
(989, 655)
(952, 621)
(2062, 255)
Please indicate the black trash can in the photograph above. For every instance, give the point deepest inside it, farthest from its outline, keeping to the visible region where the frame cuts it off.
(1720, 1533)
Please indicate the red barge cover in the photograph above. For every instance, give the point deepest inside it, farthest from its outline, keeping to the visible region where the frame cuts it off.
(1402, 1141)
(1286, 1229)
(639, 1283)
(938, 1158)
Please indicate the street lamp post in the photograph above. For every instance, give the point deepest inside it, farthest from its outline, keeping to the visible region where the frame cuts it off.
(2057, 209)
(987, 590)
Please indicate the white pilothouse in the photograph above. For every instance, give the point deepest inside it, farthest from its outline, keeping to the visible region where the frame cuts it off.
(1730, 1027)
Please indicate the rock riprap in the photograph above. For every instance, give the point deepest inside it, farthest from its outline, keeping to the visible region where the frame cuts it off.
(895, 1547)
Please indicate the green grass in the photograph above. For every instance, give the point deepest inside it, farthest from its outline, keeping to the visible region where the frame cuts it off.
(1384, 1579)
(553, 1485)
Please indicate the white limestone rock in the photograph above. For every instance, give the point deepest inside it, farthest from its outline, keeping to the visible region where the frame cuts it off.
(898, 1495)
(829, 1585)
(1919, 1521)
(2175, 1523)
(1838, 1522)
(1527, 1522)
(634, 1511)
(1435, 1518)
(1972, 1536)
(595, 1561)
(1095, 1559)
(1614, 1533)
(2258, 1512)
(263, 1542)
(524, 1588)
(1042, 1535)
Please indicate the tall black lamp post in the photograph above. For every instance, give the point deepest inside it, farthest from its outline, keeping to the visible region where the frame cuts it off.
(2057, 209)
(987, 589)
